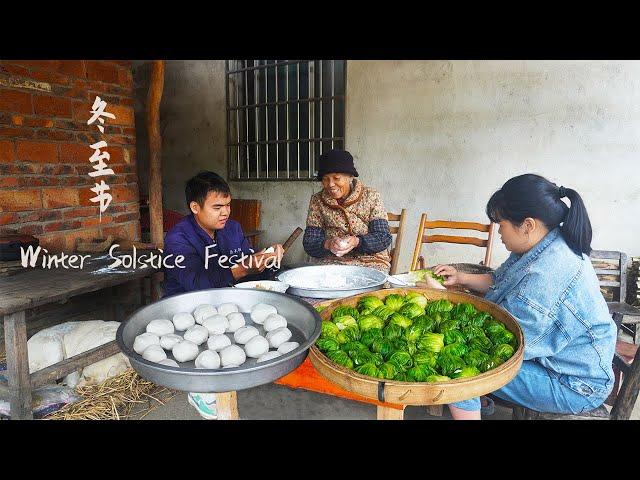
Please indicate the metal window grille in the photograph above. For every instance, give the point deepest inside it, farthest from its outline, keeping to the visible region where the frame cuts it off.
(281, 116)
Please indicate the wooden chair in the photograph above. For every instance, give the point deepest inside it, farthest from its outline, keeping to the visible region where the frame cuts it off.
(487, 243)
(399, 232)
(622, 400)
(247, 213)
(611, 268)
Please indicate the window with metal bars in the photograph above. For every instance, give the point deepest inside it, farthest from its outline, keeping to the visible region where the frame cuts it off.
(281, 116)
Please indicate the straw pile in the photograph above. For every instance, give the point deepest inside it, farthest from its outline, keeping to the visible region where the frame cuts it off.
(118, 398)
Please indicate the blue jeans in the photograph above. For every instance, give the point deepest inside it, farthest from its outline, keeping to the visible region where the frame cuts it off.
(541, 390)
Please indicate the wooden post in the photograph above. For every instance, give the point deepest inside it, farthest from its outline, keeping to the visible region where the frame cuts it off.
(15, 339)
(155, 164)
(628, 393)
(227, 405)
(388, 413)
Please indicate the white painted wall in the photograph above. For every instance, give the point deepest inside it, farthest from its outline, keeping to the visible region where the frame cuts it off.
(440, 137)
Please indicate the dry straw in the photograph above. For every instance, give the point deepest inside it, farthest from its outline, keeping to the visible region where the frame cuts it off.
(118, 398)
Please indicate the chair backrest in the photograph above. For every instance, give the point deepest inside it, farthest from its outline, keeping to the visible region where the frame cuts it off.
(401, 218)
(611, 269)
(425, 224)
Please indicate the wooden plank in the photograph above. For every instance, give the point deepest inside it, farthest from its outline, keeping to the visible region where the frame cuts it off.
(606, 254)
(480, 227)
(385, 413)
(454, 239)
(609, 284)
(227, 405)
(419, 242)
(34, 288)
(59, 370)
(604, 271)
(15, 328)
(395, 258)
(393, 217)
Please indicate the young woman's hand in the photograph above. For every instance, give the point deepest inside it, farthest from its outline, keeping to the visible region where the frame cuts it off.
(450, 274)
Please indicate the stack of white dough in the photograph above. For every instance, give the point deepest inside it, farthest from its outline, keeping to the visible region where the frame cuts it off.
(214, 327)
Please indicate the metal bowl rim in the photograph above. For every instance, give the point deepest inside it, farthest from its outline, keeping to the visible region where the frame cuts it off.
(375, 284)
(129, 352)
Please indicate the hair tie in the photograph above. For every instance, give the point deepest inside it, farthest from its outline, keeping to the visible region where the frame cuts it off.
(562, 192)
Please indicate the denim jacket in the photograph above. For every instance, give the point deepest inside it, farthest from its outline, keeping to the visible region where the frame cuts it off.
(555, 296)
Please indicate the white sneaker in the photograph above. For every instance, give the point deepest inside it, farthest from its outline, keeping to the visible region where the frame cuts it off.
(205, 404)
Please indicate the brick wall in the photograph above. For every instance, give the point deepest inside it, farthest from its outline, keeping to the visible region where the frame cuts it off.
(44, 150)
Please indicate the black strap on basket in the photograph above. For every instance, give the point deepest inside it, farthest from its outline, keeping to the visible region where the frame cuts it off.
(381, 391)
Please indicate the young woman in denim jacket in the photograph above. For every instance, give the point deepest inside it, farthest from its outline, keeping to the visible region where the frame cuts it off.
(548, 284)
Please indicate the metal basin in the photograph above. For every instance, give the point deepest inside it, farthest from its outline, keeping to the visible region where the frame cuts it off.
(332, 281)
(303, 321)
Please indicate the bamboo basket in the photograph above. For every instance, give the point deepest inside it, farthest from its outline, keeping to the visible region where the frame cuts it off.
(414, 393)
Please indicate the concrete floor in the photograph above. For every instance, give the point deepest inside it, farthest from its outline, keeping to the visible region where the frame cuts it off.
(276, 402)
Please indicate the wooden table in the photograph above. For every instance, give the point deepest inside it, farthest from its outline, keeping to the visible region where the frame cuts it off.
(36, 287)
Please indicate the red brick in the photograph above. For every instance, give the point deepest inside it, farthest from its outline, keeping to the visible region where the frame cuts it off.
(124, 194)
(89, 138)
(48, 215)
(32, 229)
(77, 181)
(37, 152)
(125, 78)
(38, 181)
(29, 217)
(20, 200)
(39, 64)
(102, 71)
(54, 243)
(124, 115)
(96, 221)
(49, 77)
(7, 151)
(129, 131)
(8, 182)
(57, 170)
(10, 69)
(77, 90)
(8, 218)
(17, 119)
(60, 197)
(75, 153)
(74, 68)
(80, 212)
(15, 101)
(71, 238)
(17, 132)
(81, 110)
(57, 135)
(38, 122)
(54, 106)
(58, 226)
(120, 139)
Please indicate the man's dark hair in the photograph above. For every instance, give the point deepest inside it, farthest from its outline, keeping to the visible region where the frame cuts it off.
(199, 187)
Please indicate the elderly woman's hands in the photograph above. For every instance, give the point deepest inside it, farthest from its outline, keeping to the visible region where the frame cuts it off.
(340, 246)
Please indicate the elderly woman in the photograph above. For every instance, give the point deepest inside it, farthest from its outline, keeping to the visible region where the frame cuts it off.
(347, 222)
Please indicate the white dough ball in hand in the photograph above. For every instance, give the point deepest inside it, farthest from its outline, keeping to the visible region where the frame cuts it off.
(154, 353)
(268, 356)
(256, 347)
(244, 334)
(278, 336)
(197, 334)
(232, 355)
(160, 327)
(183, 321)
(287, 347)
(169, 362)
(185, 351)
(203, 311)
(208, 359)
(218, 342)
(261, 311)
(144, 340)
(274, 321)
(227, 308)
(216, 324)
(168, 341)
(236, 320)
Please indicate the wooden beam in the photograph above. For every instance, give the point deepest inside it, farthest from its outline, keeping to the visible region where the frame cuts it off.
(59, 370)
(155, 147)
(15, 341)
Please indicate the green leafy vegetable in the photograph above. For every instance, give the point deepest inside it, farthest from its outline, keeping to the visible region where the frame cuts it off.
(455, 349)
(437, 378)
(383, 312)
(411, 310)
(466, 372)
(432, 342)
(367, 322)
(344, 311)
(370, 302)
(449, 364)
(425, 358)
(341, 358)
(370, 335)
(394, 301)
(345, 321)
(474, 358)
(413, 333)
(418, 299)
(503, 351)
(329, 330)
(454, 336)
(400, 320)
(349, 334)
(327, 345)
(392, 331)
(419, 373)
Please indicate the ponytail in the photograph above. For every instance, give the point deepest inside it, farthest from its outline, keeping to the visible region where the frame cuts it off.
(576, 228)
(533, 196)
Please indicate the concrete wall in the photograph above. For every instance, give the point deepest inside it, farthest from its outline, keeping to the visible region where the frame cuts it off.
(440, 137)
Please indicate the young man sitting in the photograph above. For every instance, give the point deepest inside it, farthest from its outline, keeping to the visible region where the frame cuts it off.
(209, 233)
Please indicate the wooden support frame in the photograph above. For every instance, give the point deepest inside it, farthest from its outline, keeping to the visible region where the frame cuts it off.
(399, 232)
